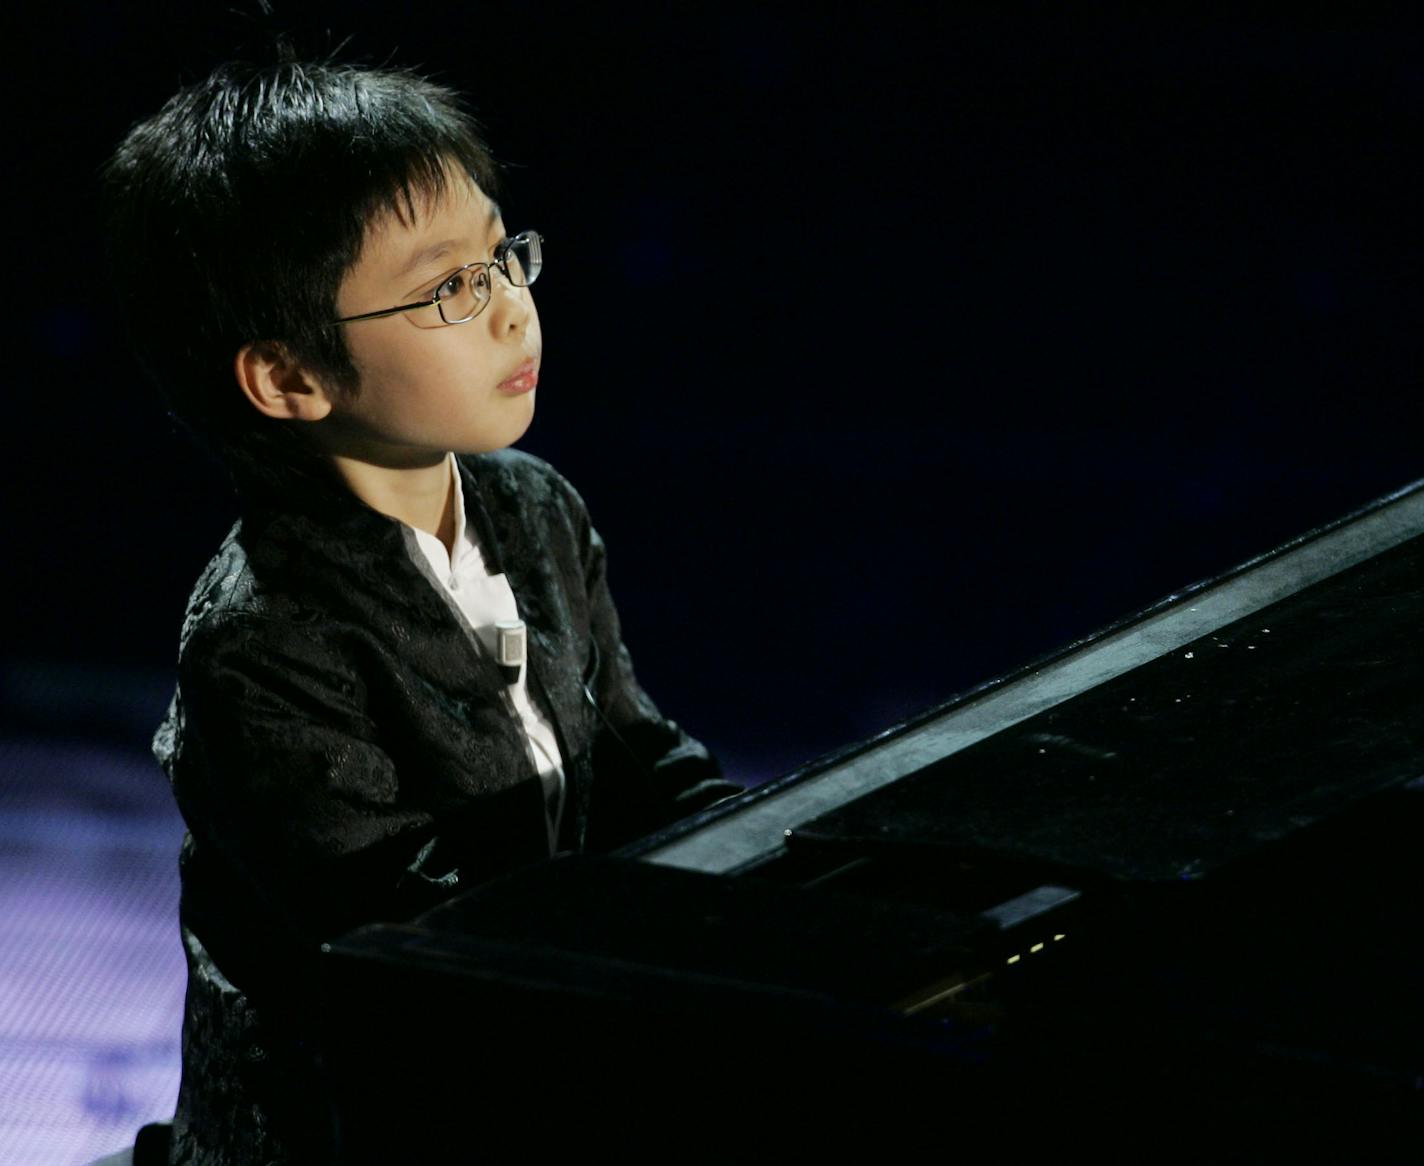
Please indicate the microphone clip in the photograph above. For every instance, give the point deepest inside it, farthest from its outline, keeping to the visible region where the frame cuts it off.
(511, 648)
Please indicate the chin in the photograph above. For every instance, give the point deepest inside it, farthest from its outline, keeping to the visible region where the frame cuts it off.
(522, 426)
(503, 438)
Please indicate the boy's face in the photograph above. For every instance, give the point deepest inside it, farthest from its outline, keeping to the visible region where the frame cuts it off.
(428, 387)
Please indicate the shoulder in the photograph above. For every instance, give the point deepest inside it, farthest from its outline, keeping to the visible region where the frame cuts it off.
(236, 608)
(226, 588)
(521, 483)
(514, 470)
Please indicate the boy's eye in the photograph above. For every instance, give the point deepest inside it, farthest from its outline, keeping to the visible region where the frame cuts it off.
(452, 286)
(463, 294)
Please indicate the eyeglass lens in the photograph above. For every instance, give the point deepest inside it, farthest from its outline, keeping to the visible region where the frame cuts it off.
(464, 295)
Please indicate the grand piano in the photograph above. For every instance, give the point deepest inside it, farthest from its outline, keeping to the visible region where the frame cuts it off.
(1170, 870)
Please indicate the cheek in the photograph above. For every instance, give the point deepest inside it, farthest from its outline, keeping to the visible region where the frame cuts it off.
(395, 358)
(366, 352)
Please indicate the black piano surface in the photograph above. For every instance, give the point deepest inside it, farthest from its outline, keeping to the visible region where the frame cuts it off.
(1174, 863)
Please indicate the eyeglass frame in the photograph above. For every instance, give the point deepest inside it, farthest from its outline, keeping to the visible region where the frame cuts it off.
(500, 261)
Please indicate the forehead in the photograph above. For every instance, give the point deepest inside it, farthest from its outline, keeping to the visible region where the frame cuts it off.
(436, 225)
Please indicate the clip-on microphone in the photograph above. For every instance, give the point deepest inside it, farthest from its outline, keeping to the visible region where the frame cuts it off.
(510, 645)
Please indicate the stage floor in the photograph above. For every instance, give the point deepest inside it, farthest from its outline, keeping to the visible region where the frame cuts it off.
(91, 967)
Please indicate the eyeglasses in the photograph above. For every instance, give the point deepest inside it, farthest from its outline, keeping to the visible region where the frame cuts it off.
(464, 293)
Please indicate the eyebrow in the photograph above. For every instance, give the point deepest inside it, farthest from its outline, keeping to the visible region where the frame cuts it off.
(427, 255)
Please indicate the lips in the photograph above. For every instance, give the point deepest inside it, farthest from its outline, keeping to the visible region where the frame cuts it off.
(524, 379)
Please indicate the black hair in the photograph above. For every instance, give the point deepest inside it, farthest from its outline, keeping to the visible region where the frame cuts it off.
(235, 212)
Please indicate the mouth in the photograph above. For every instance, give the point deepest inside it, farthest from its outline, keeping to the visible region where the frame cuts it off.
(523, 380)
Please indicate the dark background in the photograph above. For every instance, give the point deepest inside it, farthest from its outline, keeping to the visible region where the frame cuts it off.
(891, 346)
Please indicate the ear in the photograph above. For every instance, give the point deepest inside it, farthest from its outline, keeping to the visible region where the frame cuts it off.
(277, 385)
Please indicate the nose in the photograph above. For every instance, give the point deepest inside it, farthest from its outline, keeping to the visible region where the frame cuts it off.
(510, 309)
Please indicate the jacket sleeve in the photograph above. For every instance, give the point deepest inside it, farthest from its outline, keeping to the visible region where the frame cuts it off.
(647, 770)
(294, 802)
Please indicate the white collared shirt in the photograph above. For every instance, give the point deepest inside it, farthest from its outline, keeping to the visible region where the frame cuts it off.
(485, 600)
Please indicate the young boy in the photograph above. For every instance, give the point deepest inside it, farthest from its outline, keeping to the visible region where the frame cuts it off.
(402, 673)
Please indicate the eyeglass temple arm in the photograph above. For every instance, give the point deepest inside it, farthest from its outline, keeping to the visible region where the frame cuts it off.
(386, 312)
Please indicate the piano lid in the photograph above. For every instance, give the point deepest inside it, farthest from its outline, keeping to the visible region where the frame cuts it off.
(1220, 718)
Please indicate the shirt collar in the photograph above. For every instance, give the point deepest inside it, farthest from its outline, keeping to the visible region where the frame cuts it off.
(445, 562)
(461, 537)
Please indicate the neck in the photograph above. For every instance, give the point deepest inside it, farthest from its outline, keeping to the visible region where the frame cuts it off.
(420, 496)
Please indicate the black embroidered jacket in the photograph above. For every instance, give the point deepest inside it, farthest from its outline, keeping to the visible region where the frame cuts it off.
(343, 750)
